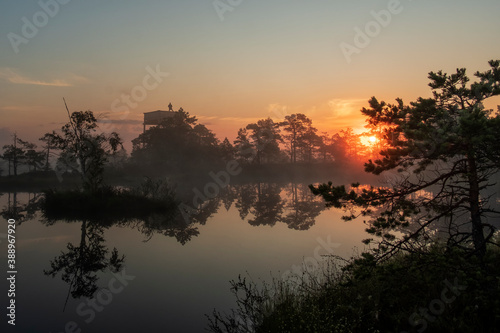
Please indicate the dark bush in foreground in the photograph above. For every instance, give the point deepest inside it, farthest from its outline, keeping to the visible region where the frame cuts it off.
(441, 291)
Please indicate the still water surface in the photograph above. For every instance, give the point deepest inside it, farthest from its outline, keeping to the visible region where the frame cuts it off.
(171, 276)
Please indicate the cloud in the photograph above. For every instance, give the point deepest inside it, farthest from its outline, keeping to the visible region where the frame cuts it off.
(207, 117)
(277, 111)
(332, 109)
(78, 78)
(243, 119)
(345, 107)
(23, 108)
(12, 76)
(204, 119)
(12, 108)
(120, 121)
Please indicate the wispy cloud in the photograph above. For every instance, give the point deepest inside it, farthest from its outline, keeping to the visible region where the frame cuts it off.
(204, 119)
(120, 121)
(277, 111)
(13, 76)
(78, 78)
(328, 110)
(234, 119)
(345, 107)
(22, 108)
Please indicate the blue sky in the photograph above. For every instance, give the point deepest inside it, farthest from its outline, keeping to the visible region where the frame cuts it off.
(262, 57)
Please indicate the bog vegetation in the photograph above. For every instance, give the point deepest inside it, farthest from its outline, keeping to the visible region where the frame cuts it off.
(431, 225)
(433, 264)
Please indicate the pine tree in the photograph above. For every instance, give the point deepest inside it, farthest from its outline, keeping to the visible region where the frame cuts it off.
(442, 153)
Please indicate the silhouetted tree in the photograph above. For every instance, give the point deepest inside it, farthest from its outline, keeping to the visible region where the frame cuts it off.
(83, 150)
(13, 154)
(227, 150)
(265, 139)
(50, 143)
(446, 150)
(176, 145)
(32, 157)
(296, 126)
(346, 146)
(325, 148)
(203, 136)
(243, 146)
(22, 152)
(310, 142)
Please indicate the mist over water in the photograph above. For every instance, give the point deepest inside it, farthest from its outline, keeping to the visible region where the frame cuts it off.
(181, 267)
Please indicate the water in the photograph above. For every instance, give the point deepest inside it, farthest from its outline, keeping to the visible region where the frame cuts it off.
(257, 230)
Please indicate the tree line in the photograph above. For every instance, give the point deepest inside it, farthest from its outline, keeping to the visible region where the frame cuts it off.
(180, 144)
(432, 225)
(21, 152)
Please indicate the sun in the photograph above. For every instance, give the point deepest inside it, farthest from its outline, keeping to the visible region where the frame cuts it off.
(370, 141)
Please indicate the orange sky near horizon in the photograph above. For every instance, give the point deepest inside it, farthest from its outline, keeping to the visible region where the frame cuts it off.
(229, 67)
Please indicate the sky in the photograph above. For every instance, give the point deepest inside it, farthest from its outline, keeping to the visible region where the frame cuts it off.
(229, 62)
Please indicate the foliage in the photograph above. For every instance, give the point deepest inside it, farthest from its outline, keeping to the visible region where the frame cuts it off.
(80, 264)
(245, 152)
(151, 207)
(363, 296)
(13, 155)
(265, 139)
(299, 133)
(22, 152)
(83, 149)
(176, 145)
(445, 152)
(19, 211)
(346, 146)
(227, 150)
(34, 159)
(50, 143)
(267, 142)
(108, 203)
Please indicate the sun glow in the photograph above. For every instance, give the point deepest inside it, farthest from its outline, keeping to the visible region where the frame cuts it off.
(370, 142)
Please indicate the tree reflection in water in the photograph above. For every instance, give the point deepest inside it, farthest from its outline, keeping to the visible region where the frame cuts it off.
(80, 264)
(268, 206)
(19, 211)
(303, 208)
(269, 203)
(260, 204)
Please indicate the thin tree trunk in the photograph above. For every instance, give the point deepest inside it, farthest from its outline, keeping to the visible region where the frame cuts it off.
(475, 213)
(47, 159)
(15, 155)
